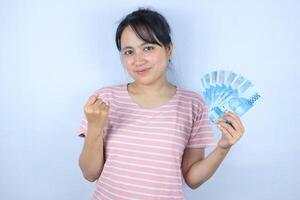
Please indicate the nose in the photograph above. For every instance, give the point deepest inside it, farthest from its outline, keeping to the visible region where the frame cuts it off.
(139, 58)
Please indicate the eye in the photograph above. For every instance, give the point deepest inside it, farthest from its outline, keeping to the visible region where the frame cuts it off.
(148, 48)
(128, 52)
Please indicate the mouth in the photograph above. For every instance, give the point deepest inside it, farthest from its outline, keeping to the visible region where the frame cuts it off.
(143, 72)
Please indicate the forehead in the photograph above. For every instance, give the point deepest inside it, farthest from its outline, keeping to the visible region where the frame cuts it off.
(130, 38)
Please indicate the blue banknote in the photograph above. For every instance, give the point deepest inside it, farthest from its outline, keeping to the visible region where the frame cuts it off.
(226, 91)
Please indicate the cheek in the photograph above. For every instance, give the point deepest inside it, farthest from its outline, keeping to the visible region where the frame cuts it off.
(160, 60)
(127, 62)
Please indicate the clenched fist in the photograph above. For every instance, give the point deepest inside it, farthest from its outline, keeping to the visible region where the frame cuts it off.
(96, 112)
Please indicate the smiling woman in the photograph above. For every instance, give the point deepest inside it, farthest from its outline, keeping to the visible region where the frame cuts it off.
(145, 44)
(145, 62)
(142, 137)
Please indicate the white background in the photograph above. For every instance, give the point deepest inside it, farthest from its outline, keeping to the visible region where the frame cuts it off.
(54, 54)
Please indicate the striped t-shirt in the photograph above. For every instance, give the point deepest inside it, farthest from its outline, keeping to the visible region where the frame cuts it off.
(144, 147)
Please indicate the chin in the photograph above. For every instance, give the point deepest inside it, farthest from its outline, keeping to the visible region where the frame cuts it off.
(144, 81)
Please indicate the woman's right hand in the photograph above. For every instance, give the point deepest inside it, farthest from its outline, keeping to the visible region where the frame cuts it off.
(96, 112)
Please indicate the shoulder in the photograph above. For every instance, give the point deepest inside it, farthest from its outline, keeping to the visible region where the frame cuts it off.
(109, 89)
(196, 102)
(192, 97)
(106, 93)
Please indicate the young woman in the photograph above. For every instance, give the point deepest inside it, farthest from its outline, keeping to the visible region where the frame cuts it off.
(142, 137)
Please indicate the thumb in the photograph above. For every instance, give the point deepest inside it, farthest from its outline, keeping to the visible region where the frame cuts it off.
(91, 100)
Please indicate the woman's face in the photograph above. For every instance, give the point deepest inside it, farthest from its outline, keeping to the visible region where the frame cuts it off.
(146, 63)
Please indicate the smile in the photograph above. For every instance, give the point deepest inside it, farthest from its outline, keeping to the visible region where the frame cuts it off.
(143, 72)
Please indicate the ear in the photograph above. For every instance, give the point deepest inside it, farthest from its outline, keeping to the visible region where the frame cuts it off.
(169, 50)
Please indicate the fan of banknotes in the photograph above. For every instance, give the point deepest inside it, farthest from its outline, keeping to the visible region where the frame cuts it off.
(228, 91)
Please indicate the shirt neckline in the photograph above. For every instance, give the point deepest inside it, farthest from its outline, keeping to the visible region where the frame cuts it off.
(125, 86)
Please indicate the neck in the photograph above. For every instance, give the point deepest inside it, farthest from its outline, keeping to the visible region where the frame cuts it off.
(158, 87)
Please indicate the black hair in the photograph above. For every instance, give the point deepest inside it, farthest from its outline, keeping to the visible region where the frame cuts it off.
(149, 25)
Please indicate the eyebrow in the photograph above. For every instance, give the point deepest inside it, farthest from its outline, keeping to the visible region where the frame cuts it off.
(129, 47)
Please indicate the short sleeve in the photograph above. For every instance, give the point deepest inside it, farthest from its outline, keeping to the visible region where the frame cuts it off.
(81, 131)
(104, 94)
(202, 133)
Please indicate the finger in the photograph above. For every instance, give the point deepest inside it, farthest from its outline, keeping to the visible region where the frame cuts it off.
(99, 101)
(225, 132)
(219, 119)
(228, 128)
(236, 123)
(233, 122)
(232, 117)
(238, 120)
(224, 120)
(91, 100)
(101, 105)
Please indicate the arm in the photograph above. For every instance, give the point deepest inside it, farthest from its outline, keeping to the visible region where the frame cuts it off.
(91, 159)
(196, 168)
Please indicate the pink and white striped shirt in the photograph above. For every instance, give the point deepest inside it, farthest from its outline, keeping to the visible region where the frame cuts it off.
(144, 147)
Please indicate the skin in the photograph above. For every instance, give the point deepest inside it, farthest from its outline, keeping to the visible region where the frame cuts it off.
(151, 89)
(92, 159)
(197, 168)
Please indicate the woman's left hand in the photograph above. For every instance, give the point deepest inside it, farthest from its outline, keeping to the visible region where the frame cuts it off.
(230, 133)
